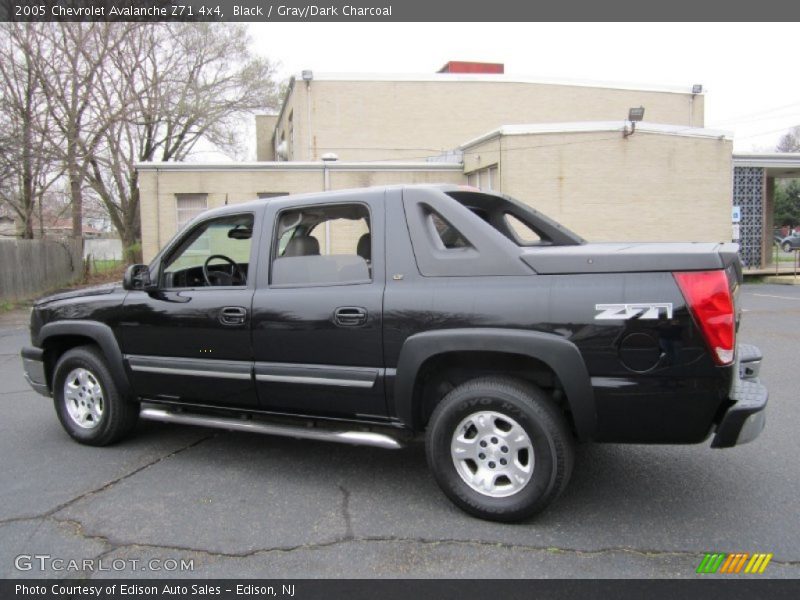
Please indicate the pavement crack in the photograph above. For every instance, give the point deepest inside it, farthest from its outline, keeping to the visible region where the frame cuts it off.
(79, 530)
(107, 485)
(21, 519)
(348, 520)
(645, 553)
(128, 475)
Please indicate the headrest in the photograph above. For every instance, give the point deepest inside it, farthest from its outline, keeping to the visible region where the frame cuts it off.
(364, 247)
(302, 246)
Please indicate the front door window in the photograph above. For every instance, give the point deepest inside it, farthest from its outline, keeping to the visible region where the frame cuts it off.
(215, 253)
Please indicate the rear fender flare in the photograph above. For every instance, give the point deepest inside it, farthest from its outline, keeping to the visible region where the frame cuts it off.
(561, 355)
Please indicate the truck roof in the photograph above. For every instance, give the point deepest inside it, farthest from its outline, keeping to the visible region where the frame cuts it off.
(348, 194)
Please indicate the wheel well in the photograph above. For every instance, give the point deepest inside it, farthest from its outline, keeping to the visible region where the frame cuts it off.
(55, 347)
(443, 372)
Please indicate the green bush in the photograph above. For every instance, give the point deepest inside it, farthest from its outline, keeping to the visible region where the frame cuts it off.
(133, 253)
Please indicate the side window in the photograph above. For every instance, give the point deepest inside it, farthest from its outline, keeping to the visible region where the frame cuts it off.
(322, 245)
(214, 253)
(444, 233)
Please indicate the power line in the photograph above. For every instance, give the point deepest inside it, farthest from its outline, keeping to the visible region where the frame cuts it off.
(770, 117)
(758, 113)
(752, 135)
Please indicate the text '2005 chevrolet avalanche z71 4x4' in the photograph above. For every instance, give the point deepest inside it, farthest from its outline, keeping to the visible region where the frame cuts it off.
(376, 315)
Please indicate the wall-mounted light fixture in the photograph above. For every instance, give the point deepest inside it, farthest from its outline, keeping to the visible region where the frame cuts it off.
(635, 115)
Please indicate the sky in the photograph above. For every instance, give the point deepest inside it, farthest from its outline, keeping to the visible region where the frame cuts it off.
(748, 70)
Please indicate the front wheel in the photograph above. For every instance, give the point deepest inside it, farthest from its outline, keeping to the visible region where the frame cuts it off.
(787, 247)
(87, 402)
(499, 448)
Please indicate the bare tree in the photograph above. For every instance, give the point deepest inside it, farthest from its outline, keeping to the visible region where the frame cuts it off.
(27, 165)
(181, 84)
(70, 59)
(97, 98)
(790, 141)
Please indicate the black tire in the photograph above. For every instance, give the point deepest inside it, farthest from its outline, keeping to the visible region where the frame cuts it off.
(117, 416)
(787, 247)
(548, 435)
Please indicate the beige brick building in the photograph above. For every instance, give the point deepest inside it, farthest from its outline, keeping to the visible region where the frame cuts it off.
(389, 117)
(664, 183)
(559, 146)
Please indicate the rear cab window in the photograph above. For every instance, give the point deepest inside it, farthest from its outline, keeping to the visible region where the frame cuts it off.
(322, 245)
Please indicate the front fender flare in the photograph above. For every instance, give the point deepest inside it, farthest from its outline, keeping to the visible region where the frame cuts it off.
(103, 336)
(561, 355)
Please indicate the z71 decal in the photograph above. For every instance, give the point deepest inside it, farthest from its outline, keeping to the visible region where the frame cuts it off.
(649, 311)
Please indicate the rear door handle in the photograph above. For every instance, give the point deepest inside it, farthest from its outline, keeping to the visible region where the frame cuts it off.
(350, 316)
(233, 315)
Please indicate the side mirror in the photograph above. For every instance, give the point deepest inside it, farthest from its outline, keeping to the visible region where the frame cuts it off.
(137, 277)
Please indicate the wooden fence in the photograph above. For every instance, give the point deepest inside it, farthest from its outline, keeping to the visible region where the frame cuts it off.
(32, 267)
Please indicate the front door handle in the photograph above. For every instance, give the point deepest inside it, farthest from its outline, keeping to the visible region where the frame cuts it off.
(233, 315)
(350, 316)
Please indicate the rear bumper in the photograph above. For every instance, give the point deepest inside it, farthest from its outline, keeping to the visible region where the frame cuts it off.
(33, 365)
(745, 419)
(749, 361)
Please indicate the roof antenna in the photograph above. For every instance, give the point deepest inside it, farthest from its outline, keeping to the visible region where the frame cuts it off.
(226, 199)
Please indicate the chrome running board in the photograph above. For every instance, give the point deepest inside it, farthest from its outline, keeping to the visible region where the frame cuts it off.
(365, 438)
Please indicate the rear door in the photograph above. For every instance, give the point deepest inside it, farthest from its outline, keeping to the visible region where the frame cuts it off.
(317, 311)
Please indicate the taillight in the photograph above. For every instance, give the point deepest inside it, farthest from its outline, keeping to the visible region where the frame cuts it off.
(709, 298)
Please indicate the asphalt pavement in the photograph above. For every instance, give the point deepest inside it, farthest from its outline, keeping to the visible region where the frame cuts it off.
(245, 505)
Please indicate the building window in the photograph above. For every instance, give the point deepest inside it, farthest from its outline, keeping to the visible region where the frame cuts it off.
(267, 195)
(494, 181)
(485, 179)
(189, 206)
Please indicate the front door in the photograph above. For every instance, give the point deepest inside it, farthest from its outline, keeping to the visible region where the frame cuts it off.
(317, 311)
(189, 341)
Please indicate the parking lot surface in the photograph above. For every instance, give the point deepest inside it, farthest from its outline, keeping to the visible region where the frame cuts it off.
(244, 505)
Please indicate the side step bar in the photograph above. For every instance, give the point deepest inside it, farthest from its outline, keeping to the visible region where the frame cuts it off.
(365, 438)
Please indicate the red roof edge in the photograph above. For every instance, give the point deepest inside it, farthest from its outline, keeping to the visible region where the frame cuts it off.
(460, 66)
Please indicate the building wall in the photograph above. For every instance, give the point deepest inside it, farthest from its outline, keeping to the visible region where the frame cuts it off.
(235, 184)
(648, 187)
(409, 120)
(265, 129)
(292, 124)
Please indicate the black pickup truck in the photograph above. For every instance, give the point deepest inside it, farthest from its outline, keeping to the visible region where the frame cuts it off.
(374, 316)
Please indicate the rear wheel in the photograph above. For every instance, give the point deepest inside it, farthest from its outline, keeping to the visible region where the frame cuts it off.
(87, 402)
(787, 247)
(499, 448)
